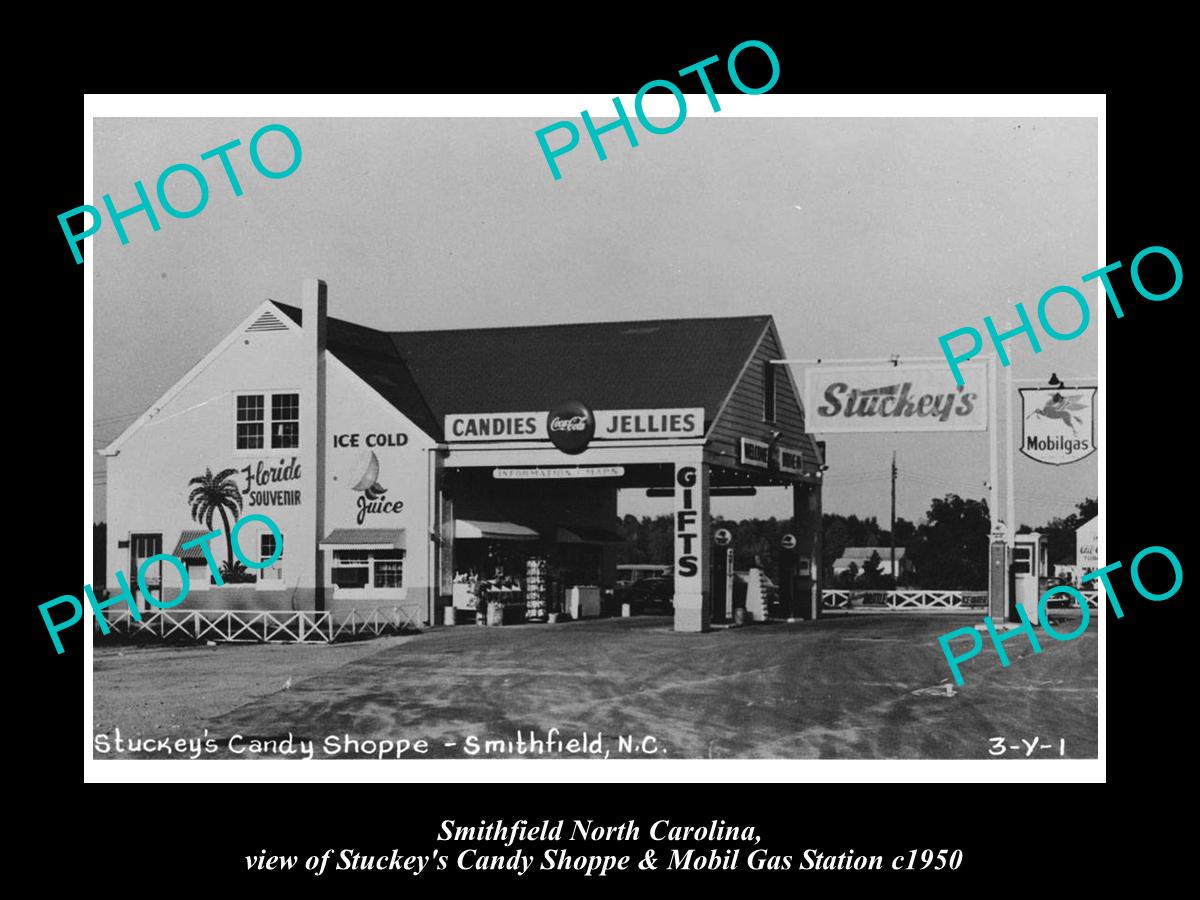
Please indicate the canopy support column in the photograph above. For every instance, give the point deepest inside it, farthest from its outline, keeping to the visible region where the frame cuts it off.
(693, 540)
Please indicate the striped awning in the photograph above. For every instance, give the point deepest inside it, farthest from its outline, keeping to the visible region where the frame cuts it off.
(468, 529)
(191, 554)
(581, 534)
(364, 539)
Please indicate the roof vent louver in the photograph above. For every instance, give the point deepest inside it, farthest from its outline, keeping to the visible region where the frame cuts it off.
(268, 321)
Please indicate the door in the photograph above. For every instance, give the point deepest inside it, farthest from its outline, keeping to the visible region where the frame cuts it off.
(141, 548)
(1025, 582)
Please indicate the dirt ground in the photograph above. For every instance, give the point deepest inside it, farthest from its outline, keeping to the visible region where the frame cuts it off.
(861, 687)
(168, 691)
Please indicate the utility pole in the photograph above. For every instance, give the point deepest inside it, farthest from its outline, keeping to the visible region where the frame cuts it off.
(893, 518)
(1009, 455)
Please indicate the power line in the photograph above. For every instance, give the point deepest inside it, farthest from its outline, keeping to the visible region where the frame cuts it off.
(112, 420)
(1042, 500)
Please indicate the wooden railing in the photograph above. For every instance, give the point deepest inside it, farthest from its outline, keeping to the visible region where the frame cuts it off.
(374, 621)
(943, 601)
(299, 627)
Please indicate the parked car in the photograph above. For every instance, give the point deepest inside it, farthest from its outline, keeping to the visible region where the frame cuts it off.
(647, 594)
(657, 593)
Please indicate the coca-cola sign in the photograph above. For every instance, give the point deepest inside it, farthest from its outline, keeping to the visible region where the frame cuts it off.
(571, 426)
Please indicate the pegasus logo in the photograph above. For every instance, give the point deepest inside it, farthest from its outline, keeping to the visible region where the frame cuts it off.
(1063, 409)
(1059, 426)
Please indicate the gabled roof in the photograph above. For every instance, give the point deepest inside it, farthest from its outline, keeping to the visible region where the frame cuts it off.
(649, 364)
(372, 356)
(253, 322)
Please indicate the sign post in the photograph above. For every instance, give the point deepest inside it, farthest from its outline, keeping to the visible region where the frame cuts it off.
(880, 396)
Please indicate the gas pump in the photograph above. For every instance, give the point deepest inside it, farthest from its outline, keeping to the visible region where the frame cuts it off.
(722, 576)
(1028, 571)
(787, 586)
(795, 581)
(806, 600)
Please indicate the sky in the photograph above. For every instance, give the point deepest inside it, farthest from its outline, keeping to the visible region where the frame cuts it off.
(862, 237)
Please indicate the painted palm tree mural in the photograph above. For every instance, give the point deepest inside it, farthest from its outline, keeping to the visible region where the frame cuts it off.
(219, 494)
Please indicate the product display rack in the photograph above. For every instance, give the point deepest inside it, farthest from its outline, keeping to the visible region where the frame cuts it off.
(537, 588)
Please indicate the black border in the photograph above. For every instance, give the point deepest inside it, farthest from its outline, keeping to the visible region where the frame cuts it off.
(1006, 831)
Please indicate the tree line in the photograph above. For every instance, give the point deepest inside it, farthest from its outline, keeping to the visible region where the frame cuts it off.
(948, 548)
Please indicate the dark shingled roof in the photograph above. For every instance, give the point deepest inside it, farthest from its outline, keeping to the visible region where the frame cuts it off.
(371, 355)
(651, 364)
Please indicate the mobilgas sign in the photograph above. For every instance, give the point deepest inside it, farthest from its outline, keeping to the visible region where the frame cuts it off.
(887, 398)
(609, 425)
(1058, 425)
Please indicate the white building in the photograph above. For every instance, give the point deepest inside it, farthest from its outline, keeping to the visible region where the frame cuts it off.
(346, 478)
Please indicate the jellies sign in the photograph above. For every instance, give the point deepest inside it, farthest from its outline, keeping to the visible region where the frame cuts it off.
(566, 423)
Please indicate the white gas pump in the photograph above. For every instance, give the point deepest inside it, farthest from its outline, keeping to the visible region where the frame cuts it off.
(1029, 567)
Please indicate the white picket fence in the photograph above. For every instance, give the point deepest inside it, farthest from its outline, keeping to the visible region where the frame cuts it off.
(911, 601)
(239, 626)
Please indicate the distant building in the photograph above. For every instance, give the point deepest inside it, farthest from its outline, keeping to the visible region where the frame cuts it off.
(860, 555)
(1087, 538)
(1087, 557)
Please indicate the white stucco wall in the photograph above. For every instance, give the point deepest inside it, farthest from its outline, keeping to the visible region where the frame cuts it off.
(356, 413)
(195, 429)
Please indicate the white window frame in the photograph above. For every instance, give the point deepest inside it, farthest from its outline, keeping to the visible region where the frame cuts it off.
(335, 564)
(271, 420)
(374, 571)
(369, 589)
(273, 573)
(267, 421)
(263, 421)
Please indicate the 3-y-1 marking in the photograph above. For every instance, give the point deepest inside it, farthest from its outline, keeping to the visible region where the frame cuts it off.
(1000, 746)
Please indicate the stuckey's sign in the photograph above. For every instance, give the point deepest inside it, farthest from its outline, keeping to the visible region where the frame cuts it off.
(1058, 424)
(567, 423)
(848, 399)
